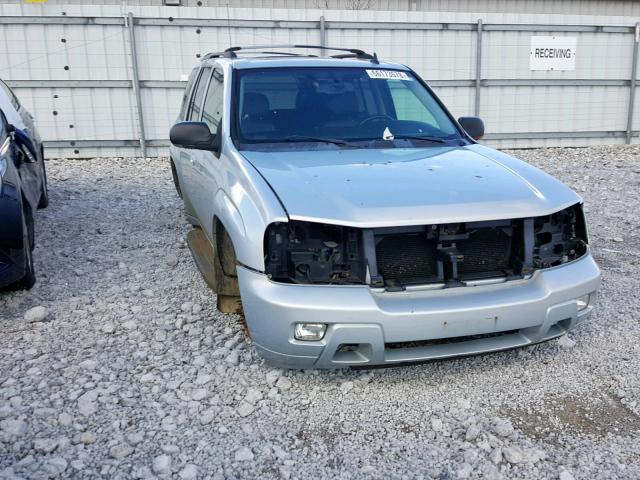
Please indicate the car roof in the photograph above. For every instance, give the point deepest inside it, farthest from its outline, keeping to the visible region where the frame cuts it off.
(281, 62)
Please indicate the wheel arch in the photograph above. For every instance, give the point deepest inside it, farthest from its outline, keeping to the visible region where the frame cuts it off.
(245, 227)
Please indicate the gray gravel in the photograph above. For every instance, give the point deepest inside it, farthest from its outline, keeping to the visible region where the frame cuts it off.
(128, 371)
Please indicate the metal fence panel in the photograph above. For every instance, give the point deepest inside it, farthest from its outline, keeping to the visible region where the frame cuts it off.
(74, 70)
(583, 7)
(433, 54)
(522, 109)
(161, 110)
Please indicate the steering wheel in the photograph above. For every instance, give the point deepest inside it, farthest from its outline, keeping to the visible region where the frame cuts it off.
(373, 118)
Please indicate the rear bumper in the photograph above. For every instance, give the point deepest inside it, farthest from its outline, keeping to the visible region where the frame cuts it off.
(397, 327)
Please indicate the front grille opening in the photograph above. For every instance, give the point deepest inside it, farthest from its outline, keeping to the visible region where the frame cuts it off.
(447, 254)
(445, 341)
(460, 254)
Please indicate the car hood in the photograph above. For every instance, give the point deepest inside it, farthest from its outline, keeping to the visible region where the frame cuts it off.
(408, 186)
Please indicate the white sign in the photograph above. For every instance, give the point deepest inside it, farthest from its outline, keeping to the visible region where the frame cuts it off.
(552, 53)
(388, 74)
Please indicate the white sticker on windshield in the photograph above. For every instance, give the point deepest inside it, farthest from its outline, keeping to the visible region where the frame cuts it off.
(388, 74)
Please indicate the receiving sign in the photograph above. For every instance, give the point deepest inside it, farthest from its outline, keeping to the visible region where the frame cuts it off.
(552, 53)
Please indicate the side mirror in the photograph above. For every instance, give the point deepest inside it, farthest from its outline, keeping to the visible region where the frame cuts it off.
(474, 126)
(194, 135)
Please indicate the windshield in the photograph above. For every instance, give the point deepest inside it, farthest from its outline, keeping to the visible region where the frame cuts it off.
(344, 107)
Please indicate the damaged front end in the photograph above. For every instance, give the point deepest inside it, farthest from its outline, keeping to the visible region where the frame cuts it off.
(304, 252)
(444, 255)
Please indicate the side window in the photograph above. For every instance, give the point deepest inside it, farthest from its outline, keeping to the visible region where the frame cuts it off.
(12, 97)
(187, 94)
(196, 105)
(212, 111)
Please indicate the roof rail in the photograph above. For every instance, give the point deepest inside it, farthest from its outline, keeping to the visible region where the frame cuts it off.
(350, 52)
(225, 54)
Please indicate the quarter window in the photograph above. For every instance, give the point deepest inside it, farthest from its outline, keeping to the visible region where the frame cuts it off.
(187, 94)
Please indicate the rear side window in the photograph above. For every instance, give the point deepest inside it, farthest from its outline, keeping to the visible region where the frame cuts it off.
(212, 111)
(196, 106)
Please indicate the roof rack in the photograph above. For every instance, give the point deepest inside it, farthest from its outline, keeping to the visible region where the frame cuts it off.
(350, 52)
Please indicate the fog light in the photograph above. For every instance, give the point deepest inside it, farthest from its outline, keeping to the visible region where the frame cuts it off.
(583, 302)
(309, 331)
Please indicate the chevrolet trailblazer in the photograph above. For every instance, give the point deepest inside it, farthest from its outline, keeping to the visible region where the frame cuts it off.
(341, 207)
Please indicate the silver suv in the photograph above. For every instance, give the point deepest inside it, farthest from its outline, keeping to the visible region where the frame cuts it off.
(340, 206)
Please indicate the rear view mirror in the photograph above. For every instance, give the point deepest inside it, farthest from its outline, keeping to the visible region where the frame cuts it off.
(194, 135)
(474, 126)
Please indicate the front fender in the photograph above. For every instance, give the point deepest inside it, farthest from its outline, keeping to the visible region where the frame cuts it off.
(245, 205)
(245, 228)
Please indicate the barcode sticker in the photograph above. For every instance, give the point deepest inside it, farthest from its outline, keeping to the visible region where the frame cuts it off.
(388, 75)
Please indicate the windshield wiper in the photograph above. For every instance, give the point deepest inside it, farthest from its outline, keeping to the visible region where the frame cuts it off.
(304, 138)
(419, 137)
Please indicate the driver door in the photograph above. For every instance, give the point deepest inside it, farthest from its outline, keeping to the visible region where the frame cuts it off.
(206, 165)
(187, 157)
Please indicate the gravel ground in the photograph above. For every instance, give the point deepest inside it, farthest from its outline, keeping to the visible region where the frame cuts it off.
(128, 371)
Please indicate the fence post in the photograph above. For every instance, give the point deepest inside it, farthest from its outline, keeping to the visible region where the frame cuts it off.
(478, 66)
(632, 85)
(135, 82)
(323, 34)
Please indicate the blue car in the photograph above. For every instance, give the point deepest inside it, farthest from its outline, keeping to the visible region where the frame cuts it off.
(23, 189)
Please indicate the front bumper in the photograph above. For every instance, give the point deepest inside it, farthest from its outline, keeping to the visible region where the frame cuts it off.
(385, 328)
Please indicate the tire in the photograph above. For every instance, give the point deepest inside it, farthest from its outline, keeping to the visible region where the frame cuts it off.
(44, 195)
(176, 182)
(28, 236)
